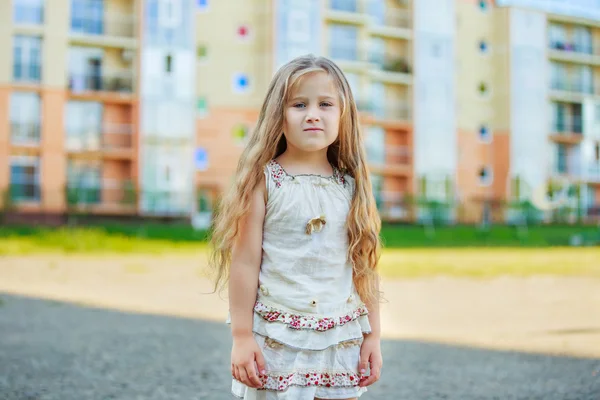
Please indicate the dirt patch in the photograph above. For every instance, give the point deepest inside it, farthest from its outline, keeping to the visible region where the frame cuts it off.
(558, 315)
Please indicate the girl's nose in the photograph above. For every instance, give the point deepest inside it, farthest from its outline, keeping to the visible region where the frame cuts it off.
(312, 116)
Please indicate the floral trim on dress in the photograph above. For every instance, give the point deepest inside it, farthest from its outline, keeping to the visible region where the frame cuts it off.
(278, 174)
(281, 382)
(299, 321)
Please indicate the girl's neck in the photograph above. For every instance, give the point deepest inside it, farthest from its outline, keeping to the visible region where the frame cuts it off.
(313, 162)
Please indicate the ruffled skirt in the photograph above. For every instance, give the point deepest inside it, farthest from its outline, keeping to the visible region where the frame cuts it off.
(307, 357)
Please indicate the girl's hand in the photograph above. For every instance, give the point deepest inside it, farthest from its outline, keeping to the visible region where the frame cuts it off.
(370, 356)
(246, 361)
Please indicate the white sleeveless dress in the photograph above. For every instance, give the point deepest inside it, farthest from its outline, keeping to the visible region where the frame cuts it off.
(308, 318)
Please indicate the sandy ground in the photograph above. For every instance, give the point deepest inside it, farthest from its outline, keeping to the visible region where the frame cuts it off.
(554, 315)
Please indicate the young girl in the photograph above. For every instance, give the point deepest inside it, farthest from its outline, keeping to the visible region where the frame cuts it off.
(297, 238)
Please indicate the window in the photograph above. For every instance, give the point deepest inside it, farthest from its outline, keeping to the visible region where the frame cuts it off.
(483, 46)
(169, 63)
(377, 50)
(202, 5)
(557, 36)
(25, 118)
(345, 5)
(28, 11)
(597, 152)
(485, 134)
(202, 107)
(483, 89)
(87, 16)
(485, 176)
(25, 178)
(582, 40)
(84, 125)
(202, 53)
(170, 13)
(84, 182)
(240, 133)
(483, 5)
(343, 42)
(85, 69)
(375, 145)
(241, 83)
(561, 158)
(27, 57)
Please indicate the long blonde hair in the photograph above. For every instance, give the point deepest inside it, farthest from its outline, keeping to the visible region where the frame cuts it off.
(346, 153)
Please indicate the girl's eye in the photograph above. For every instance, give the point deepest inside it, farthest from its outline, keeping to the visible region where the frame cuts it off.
(325, 104)
(299, 105)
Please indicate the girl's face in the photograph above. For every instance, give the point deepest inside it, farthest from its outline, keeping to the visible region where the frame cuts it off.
(312, 114)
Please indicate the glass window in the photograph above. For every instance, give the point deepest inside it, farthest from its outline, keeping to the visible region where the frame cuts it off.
(376, 9)
(25, 178)
(343, 42)
(84, 182)
(347, 5)
(84, 125)
(27, 58)
(485, 176)
(485, 134)
(561, 158)
(87, 16)
(582, 40)
(25, 115)
(375, 145)
(202, 5)
(28, 11)
(377, 51)
(557, 36)
(202, 107)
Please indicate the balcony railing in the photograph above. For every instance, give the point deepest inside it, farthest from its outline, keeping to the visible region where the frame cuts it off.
(393, 17)
(572, 47)
(110, 194)
(572, 86)
(24, 192)
(391, 63)
(391, 111)
(25, 133)
(111, 136)
(569, 125)
(121, 82)
(120, 25)
(27, 72)
(390, 155)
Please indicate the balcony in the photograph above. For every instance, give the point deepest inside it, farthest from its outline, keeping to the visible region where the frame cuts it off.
(574, 52)
(109, 30)
(117, 82)
(25, 133)
(387, 113)
(592, 173)
(112, 140)
(393, 206)
(348, 56)
(394, 23)
(568, 131)
(565, 88)
(388, 68)
(345, 11)
(105, 197)
(391, 160)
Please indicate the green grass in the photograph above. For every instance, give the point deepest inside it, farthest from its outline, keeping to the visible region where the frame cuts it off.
(157, 238)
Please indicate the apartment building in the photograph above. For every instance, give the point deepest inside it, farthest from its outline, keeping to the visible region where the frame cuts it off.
(125, 107)
(528, 94)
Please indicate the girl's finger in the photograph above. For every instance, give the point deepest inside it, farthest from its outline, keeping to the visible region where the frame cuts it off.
(244, 377)
(236, 373)
(253, 376)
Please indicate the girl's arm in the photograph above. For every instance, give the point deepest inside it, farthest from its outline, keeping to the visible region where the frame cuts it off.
(370, 352)
(243, 284)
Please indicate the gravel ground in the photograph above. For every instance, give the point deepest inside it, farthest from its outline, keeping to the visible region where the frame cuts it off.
(58, 351)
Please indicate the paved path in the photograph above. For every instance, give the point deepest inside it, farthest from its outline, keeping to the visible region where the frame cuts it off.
(58, 351)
